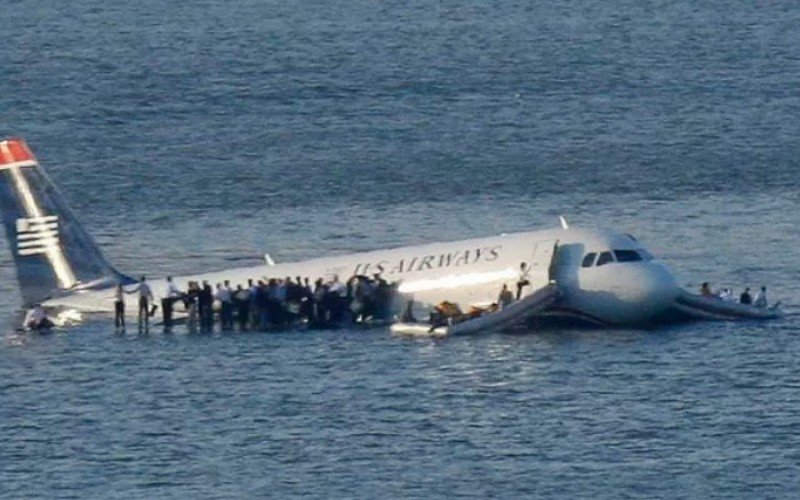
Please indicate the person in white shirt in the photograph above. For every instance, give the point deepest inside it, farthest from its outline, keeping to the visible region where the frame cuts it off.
(145, 298)
(505, 298)
(337, 304)
(760, 299)
(242, 302)
(171, 295)
(225, 298)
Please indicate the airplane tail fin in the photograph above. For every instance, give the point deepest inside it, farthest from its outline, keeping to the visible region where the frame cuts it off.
(53, 254)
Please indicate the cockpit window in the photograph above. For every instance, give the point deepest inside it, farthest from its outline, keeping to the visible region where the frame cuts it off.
(588, 260)
(605, 258)
(627, 255)
(645, 254)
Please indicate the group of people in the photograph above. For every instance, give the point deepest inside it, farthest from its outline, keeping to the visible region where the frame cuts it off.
(266, 303)
(726, 294)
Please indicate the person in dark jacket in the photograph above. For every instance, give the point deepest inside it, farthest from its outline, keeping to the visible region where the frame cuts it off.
(190, 304)
(119, 306)
(263, 305)
(241, 298)
(205, 302)
(225, 298)
(745, 297)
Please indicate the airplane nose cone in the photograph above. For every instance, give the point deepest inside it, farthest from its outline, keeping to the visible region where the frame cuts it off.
(637, 293)
(660, 285)
(627, 294)
(655, 289)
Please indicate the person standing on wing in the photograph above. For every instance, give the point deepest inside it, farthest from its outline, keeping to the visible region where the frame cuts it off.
(145, 299)
(523, 279)
(205, 302)
(119, 307)
(505, 298)
(760, 299)
(171, 295)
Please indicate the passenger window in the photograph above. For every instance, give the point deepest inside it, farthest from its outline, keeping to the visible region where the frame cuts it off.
(605, 258)
(589, 259)
(627, 255)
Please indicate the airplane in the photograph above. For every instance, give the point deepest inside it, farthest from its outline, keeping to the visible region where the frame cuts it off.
(603, 277)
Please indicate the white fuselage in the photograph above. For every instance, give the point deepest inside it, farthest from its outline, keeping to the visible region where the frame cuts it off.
(627, 290)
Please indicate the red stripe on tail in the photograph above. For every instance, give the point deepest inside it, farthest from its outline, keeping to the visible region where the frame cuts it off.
(14, 150)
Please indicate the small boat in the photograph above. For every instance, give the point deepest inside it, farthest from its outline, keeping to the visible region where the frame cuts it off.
(510, 316)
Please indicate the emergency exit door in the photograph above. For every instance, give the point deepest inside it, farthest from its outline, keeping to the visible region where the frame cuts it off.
(540, 270)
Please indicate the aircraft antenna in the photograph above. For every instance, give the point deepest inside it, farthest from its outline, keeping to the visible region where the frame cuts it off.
(564, 224)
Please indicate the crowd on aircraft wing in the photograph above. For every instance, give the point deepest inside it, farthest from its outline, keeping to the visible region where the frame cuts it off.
(279, 303)
(265, 304)
(726, 294)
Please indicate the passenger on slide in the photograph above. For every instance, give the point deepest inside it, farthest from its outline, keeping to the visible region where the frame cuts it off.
(705, 290)
(523, 279)
(505, 298)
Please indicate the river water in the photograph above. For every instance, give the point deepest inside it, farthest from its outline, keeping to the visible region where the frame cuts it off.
(200, 135)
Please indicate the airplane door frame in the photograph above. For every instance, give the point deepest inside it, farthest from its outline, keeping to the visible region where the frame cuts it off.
(541, 265)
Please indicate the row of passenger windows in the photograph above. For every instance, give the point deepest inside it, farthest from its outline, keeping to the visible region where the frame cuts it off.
(593, 259)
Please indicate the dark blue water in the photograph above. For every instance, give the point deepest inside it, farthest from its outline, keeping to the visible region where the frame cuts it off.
(199, 135)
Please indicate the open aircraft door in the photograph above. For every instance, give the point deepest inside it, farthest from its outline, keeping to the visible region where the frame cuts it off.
(540, 270)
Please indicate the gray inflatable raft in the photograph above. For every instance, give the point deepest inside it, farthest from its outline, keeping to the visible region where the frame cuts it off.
(714, 308)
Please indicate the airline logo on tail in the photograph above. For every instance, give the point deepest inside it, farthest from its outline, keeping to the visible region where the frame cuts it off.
(37, 235)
